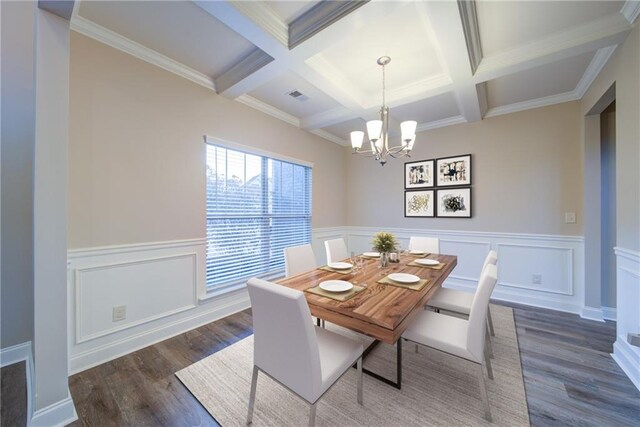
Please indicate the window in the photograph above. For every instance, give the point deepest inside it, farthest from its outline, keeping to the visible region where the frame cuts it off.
(256, 207)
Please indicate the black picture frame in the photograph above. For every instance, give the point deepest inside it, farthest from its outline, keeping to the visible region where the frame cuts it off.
(419, 174)
(454, 171)
(464, 195)
(412, 208)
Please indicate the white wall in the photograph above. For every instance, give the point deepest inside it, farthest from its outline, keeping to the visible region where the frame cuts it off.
(18, 136)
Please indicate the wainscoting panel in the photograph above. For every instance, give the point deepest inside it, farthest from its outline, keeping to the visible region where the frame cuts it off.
(161, 285)
(557, 262)
(628, 312)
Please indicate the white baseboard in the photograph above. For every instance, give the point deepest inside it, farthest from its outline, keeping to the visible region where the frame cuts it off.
(60, 413)
(592, 313)
(19, 353)
(609, 313)
(627, 358)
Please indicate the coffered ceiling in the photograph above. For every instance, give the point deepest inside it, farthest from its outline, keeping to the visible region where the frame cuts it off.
(451, 62)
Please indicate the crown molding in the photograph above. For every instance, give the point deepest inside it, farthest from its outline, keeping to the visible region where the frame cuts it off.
(595, 66)
(97, 32)
(263, 15)
(533, 103)
(329, 137)
(449, 121)
(255, 103)
(251, 63)
(469, 19)
(319, 17)
(630, 10)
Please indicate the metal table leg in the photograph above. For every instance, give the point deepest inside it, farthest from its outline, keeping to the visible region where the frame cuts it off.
(398, 383)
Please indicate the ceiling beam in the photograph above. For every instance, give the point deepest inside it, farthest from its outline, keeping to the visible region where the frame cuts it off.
(61, 8)
(241, 70)
(446, 19)
(604, 32)
(319, 17)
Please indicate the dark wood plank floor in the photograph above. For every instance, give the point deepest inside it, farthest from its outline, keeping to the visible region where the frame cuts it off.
(13, 395)
(570, 378)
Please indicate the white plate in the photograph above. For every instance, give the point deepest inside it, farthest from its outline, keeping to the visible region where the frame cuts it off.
(340, 265)
(404, 278)
(425, 261)
(417, 252)
(335, 285)
(372, 254)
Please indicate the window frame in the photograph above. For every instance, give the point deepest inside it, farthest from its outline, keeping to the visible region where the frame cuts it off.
(215, 290)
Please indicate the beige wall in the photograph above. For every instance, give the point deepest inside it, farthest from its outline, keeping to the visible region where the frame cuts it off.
(527, 172)
(137, 158)
(623, 69)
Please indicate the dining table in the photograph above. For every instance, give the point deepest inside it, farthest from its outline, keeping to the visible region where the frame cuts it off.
(382, 311)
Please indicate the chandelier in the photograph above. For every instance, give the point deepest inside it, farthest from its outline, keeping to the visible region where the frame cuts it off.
(378, 131)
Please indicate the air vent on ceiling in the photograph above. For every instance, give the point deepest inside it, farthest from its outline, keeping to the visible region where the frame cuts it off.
(296, 94)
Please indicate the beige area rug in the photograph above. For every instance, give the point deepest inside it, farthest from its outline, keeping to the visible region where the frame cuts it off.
(437, 389)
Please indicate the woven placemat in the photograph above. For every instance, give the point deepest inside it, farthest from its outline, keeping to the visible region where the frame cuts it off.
(433, 267)
(333, 270)
(338, 296)
(413, 286)
(418, 255)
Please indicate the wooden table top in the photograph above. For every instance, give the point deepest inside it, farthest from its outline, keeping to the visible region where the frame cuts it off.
(380, 311)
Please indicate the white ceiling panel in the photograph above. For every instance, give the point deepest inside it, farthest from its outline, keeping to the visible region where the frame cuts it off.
(179, 30)
(344, 129)
(506, 24)
(276, 93)
(551, 79)
(403, 36)
(288, 11)
(428, 110)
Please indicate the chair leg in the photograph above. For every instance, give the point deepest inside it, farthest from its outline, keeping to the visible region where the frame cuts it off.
(484, 395)
(490, 320)
(417, 348)
(360, 381)
(252, 395)
(312, 415)
(487, 361)
(488, 343)
(322, 323)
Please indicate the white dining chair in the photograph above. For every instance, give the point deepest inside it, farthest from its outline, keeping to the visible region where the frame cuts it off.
(336, 250)
(298, 259)
(464, 338)
(459, 301)
(303, 358)
(425, 244)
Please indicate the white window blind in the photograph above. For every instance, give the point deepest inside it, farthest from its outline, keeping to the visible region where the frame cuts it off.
(256, 207)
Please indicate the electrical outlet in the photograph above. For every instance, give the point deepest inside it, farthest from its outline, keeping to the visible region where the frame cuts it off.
(536, 279)
(119, 313)
(570, 217)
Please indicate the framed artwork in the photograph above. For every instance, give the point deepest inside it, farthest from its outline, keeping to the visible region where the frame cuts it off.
(454, 171)
(418, 174)
(454, 202)
(419, 204)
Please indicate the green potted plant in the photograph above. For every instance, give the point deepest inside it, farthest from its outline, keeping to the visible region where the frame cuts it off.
(384, 243)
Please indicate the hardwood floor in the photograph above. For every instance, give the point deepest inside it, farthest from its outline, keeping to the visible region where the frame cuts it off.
(570, 378)
(13, 395)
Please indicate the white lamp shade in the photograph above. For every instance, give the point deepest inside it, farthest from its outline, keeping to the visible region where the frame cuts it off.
(356, 139)
(409, 145)
(374, 128)
(408, 129)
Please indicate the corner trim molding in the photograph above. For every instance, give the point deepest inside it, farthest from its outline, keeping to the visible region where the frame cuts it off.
(329, 137)
(455, 120)
(265, 17)
(593, 69)
(533, 103)
(629, 254)
(255, 103)
(97, 32)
